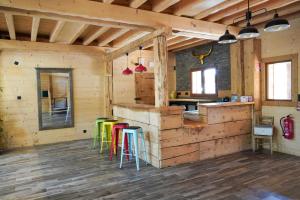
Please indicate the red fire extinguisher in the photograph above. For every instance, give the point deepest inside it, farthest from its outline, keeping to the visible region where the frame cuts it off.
(287, 126)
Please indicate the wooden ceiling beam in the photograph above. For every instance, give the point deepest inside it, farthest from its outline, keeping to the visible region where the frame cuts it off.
(130, 37)
(57, 29)
(177, 40)
(217, 8)
(170, 37)
(193, 44)
(74, 19)
(270, 5)
(183, 43)
(9, 18)
(34, 28)
(77, 33)
(139, 42)
(184, 6)
(136, 3)
(234, 9)
(116, 14)
(161, 5)
(107, 1)
(43, 46)
(95, 35)
(112, 37)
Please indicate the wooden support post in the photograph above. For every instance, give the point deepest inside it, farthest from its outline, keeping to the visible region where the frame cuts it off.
(237, 68)
(108, 88)
(252, 57)
(160, 71)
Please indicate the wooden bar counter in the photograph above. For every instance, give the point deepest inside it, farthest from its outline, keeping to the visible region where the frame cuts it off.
(220, 129)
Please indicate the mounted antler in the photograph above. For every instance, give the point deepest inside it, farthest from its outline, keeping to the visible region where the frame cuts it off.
(202, 56)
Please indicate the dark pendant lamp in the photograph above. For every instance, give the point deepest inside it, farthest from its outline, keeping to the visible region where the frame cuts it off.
(277, 24)
(127, 71)
(249, 31)
(140, 67)
(227, 38)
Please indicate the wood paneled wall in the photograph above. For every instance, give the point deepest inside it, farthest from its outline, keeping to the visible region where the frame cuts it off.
(280, 44)
(21, 116)
(124, 86)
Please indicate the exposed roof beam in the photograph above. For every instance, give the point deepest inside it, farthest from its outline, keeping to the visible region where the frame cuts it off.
(177, 40)
(9, 18)
(270, 5)
(77, 33)
(136, 3)
(185, 5)
(193, 44)
(95, 35)
(128, 38)
(135, 44)
(74, 19)
(170, 37)
(112, 36)
(195, 35)
(34, 28)
(57, 29)
(43, 46)
(161, 5)
(107, 1)
(184, 43)
(234, 9)
(117, 14)
(217, 8)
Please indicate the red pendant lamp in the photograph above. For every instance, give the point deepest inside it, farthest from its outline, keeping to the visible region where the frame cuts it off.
(127, 71)
(140, 67)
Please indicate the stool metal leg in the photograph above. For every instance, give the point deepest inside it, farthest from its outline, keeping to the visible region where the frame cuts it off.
(144, 146)
(136, 147)
(122, 148)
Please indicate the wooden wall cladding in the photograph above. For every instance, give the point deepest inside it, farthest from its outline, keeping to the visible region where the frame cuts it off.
(21, 116)
(169, 143)
(229, 131)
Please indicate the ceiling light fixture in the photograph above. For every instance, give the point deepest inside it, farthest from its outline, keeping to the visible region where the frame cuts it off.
(277, 24)
(248, 31)
(140, 67)
(227, 38)
(127, 71)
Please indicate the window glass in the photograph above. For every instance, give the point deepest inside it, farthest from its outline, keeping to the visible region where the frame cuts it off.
(279, 81)
(210, 81)
(197, 82)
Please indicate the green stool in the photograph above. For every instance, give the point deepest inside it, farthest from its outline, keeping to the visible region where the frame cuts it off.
(97, 130)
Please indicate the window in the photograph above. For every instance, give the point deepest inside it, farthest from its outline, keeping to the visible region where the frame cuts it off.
(203, 82)
(279, 80)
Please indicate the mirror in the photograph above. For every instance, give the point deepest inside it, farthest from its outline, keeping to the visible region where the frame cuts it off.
(55, 98)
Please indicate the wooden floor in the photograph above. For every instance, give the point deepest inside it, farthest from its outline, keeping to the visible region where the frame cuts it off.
(73, 171)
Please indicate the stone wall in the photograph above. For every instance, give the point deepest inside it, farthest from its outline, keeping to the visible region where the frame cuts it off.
(219, 58)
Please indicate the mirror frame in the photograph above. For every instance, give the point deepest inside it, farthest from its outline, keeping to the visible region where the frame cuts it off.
(54, 70)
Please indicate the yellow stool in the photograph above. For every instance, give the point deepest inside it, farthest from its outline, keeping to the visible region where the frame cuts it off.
(107, 127)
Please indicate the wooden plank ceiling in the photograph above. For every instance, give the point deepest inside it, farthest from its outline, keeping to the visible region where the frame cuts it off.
(22, 25)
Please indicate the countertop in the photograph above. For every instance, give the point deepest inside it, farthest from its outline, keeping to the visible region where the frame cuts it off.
(192, 100)
(224, 104)
(151, 108)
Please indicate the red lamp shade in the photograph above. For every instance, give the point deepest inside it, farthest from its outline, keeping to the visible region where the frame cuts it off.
(127, 71)
(140, 68)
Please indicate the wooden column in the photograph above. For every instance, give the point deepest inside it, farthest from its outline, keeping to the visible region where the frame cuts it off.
(160, 71)
(237, 68)
(252, 57)
(108, 88)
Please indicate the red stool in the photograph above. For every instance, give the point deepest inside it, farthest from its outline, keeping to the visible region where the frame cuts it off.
(115, 139)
